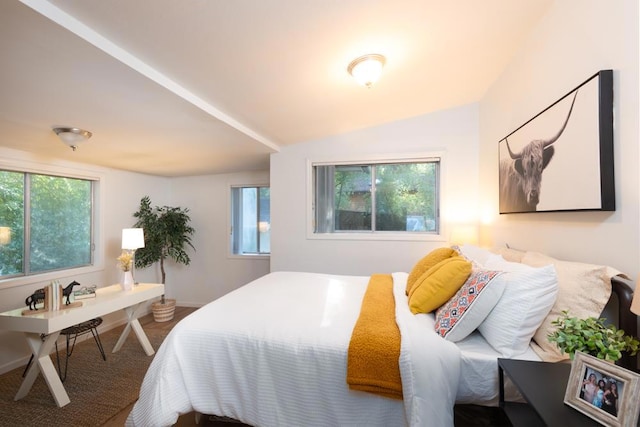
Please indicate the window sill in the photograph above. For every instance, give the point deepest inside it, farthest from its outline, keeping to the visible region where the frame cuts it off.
(408, 237)
(47, 277)
(251, 257)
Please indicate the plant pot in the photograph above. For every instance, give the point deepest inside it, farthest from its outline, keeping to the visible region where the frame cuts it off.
(163, 312)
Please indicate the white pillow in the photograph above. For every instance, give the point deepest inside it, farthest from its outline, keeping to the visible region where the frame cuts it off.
(527, 299)
(475, 253)
(462, 314)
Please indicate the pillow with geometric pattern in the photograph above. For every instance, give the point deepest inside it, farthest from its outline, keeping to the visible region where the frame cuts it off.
(473, 302)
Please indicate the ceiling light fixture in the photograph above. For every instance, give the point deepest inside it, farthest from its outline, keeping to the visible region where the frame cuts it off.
(72, 136)
(367, 69)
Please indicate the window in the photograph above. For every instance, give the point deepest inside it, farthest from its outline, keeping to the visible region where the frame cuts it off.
(250, 221)
(45, 223)
(380, 197)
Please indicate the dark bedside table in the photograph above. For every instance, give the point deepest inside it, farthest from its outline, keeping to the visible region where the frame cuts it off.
(543, 386)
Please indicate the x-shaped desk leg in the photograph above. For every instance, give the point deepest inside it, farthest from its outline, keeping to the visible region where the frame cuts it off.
(42, 363)
(132, 323)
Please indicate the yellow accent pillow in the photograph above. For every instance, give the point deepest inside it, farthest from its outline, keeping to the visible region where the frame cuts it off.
(431, 259)
(438, 284)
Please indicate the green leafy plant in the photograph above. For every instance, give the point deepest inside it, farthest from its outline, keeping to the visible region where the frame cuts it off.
(167, 234)
(591, 336)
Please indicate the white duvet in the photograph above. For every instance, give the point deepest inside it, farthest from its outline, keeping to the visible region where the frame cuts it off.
(274, 353)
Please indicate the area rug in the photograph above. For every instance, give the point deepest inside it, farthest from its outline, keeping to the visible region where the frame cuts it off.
(98, 389)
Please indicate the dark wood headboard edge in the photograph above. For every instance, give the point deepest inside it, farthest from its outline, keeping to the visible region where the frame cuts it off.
(626, 319)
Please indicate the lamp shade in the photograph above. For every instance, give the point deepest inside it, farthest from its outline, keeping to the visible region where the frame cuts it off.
(5, 235)
(132, 238)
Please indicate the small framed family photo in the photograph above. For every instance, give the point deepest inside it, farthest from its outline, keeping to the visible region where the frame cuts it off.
(603, 391)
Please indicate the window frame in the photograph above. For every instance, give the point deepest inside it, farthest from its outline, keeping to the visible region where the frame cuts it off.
(230, 253)
(23, 166)
(376, 235)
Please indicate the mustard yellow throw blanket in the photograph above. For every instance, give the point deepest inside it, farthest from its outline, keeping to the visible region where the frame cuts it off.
(374, 350)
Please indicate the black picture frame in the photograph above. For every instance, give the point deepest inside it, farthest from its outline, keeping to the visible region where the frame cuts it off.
(562, 158)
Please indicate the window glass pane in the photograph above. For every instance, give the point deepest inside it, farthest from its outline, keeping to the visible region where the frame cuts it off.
(379, 197)
(60, 223)
(352, 198)
(249, 216)
(405, 197)
(264, 224)
(250, 220)
(11, 223)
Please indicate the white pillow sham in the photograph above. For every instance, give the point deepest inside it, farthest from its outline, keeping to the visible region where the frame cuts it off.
(527, 299)
(474, 253)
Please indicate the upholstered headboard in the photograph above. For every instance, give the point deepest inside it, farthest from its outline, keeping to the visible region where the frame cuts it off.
(626, 319)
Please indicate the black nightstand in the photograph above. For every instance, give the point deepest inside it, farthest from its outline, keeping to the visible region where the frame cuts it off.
(543, 386)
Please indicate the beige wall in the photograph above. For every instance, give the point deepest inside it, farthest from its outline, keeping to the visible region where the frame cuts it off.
(572, 42)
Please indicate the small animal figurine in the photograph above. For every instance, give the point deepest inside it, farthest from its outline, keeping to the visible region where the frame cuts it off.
(34, 299)
(67, 291)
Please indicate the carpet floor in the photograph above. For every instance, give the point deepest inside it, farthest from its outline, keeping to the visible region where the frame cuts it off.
(98, 389)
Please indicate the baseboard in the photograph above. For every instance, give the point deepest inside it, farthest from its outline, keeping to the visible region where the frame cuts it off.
(189, 304)
(10, 366)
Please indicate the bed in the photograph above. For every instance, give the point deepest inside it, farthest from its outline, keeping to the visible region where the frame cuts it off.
(274, 352)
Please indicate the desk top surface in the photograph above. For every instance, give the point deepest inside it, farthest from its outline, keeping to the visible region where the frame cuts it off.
(108, 300)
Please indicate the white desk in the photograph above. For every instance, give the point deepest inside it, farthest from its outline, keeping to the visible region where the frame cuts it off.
(108, 300)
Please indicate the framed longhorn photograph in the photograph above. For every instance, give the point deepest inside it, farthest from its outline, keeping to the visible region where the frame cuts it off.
(562, 158)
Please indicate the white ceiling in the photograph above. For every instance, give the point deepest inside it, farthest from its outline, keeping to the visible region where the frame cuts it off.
(195, 87)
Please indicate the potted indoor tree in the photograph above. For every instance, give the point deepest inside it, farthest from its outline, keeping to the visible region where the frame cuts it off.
(167, 234)
(591, 336)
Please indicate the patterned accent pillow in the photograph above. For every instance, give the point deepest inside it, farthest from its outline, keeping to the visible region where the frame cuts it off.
(473, 302)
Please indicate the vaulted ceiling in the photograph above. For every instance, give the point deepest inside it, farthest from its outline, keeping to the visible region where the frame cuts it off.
(193, 87)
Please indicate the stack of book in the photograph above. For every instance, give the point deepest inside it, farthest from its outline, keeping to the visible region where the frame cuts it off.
(84, 292)
(53, 296)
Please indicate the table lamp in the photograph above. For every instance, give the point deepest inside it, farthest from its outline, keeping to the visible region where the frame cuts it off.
(132, 239)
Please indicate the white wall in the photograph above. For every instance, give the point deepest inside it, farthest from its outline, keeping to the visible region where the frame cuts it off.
(212, 272)
(120, 195)
(572, 42)
(453, 131)
(210, 275)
